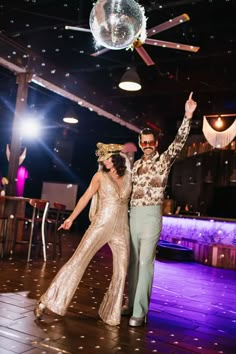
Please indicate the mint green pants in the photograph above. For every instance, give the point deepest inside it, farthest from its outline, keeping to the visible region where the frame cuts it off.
(145, 229)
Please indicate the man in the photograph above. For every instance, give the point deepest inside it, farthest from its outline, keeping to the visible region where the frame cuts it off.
(149, 178)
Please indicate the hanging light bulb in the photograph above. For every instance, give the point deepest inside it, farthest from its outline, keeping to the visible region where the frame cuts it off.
(219, 122)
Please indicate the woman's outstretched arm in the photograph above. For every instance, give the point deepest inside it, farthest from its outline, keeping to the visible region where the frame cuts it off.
(83, 201)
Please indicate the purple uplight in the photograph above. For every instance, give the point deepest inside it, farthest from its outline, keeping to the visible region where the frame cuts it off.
(206, 231)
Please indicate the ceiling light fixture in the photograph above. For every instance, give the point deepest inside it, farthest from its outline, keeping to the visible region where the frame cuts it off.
(130, 80)
(70, 117)
(219, 138)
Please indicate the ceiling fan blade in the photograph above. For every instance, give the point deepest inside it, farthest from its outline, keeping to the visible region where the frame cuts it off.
(168, 24)
(172, 45)
(145, 56)
(99, 52)
(80, 29)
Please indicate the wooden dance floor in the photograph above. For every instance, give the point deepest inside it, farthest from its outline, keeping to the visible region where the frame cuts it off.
(193, 309)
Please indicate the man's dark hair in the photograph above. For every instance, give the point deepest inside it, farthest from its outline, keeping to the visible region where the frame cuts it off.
(147, 131)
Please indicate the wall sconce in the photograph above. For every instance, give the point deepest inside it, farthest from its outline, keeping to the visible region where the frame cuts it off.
(130, 80)
(70, 117)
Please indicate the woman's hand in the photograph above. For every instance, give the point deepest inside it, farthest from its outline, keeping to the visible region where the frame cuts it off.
(66, 225)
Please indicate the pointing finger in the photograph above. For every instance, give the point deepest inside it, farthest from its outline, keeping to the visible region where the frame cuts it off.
(190, 96)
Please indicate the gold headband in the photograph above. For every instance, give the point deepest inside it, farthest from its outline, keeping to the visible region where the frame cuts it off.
(107, 150)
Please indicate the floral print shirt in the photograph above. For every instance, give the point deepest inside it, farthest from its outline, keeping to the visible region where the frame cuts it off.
(149, 177)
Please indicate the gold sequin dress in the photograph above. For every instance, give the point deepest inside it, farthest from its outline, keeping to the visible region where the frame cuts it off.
(109, 224)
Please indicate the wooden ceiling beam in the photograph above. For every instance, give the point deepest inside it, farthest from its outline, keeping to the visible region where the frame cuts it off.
(20, 60)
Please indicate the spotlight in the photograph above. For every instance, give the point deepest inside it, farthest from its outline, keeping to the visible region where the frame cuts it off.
(30, 128)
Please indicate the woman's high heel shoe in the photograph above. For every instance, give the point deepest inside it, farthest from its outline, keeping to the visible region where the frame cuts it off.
(39, 310)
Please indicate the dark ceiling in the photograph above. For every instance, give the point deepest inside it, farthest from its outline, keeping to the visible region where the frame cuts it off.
(33, 37)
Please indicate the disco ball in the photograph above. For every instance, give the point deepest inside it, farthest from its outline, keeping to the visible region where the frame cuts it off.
(115, 24)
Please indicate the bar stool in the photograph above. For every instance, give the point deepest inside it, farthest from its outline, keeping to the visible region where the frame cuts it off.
(39, 215)
(59, 216)
(3, 225)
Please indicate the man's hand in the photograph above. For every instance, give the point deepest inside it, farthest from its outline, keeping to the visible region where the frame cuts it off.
(190, 106)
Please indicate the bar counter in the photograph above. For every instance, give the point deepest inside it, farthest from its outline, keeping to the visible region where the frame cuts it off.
(213, 240)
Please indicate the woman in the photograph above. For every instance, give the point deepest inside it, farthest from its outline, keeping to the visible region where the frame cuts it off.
(110, 188)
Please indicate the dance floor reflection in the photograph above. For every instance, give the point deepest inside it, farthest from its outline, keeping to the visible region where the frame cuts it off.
(193, 309)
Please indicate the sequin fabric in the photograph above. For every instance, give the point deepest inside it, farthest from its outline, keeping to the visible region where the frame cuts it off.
(109, 225)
